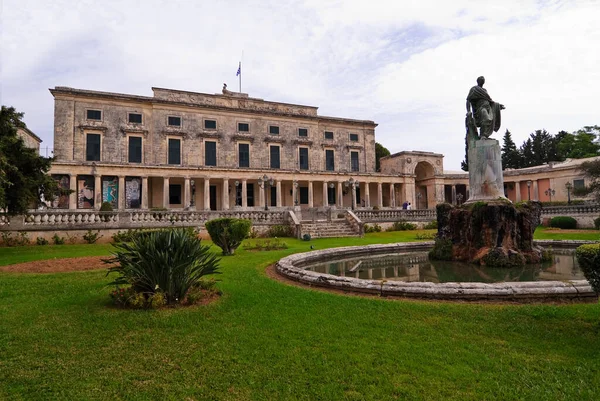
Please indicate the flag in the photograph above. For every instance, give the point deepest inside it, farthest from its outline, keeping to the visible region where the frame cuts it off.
(239, 71)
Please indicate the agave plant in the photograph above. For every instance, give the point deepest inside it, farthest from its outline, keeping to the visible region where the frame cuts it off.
(166, 261)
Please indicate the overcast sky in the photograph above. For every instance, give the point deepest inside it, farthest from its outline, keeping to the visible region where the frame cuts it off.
(407, 65)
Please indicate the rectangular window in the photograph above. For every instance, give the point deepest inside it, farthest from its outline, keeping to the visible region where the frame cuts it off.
(304, 195)
(244, 155)
(250, 194)
(210, 124)
(135, 149)
(302, 132)
(273, 130)
(273, 196)
(210, 153)
(174, 121)
(354, 161)
(275, 162)
(135, 118)
(303, 158)
(174, 194)
(94, 115)
(354, 137)
(329, 160)
(174, 151)
(243, 127)
(328, 135)
(578, 184)
(331, 195)
(92, 147)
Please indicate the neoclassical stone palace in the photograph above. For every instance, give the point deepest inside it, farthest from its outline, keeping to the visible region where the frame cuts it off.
(185, 150)
(195, 151)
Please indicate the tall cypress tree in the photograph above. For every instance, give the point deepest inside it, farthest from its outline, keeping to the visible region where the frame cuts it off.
(511, 158)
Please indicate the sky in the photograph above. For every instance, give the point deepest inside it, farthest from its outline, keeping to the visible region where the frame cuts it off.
(407, 65)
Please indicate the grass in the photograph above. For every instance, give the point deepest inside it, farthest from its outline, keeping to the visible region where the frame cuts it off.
(264, 340)
(553, 233)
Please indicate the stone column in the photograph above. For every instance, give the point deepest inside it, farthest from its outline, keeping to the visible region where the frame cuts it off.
(353, 197)
(294, 194)
(144, 192)
(206, 194)
(166, 192)
(244, 194)
(392, 195)
(325, 194)
(97, 191)
(186, 192)
(73, 188)
(278, 184)
(340, 194)
(225, 200)
(535, 195)
(310, 194)
(367, 195)
(261, 195)
(454, 194)
(121, 195)
(518, 191)
(379, 195)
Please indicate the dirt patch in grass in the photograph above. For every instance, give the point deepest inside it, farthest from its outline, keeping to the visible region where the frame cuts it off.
(569, 231)
(58, 265)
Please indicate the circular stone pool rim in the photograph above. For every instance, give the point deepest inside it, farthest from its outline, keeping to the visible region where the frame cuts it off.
(525, 291)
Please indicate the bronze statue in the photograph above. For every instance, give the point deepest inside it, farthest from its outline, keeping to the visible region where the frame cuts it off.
(485, 111)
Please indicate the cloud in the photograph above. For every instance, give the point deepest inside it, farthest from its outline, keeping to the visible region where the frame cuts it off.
(407, 65)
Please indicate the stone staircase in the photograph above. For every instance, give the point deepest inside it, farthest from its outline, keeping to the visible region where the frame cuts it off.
(328, 229)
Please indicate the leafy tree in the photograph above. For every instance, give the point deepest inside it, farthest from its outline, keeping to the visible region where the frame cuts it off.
(380, 151)
(592, 172)
(511, 158)
(23, 173)
(526, 152)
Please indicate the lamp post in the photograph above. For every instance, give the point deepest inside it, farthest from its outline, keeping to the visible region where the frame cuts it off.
(193, 186)
(331, 185)
(352, 184)
(569, 186)
(459, 198)
(529, 190)
(262, 183)
(549, 192)
(237, 184)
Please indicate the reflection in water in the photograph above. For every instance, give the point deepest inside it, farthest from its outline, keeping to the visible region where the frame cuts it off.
(416, 266)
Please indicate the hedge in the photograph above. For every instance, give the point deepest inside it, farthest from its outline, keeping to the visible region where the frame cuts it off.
(563, 222)
(588, 257)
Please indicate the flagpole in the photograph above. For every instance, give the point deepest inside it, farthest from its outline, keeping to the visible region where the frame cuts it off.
(240, 68)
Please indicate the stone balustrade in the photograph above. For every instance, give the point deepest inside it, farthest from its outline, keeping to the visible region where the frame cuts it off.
(76, 220)
(389, 215)
(569, 210)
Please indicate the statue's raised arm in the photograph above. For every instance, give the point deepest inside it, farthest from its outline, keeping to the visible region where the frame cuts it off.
(485, 111)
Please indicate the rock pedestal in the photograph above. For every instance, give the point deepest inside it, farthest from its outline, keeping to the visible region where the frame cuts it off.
(495, 233)
(485, 171)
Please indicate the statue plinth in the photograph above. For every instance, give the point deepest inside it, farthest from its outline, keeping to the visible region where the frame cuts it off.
(486, 182)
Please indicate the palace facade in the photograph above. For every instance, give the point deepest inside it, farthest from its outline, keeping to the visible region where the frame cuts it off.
(195, 151)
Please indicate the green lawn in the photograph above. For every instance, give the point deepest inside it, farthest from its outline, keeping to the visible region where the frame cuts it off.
(264, 340)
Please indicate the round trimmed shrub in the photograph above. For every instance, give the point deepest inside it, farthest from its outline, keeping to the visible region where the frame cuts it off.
(588, 257)
(228, 233)
(597, 223)
(565, 222)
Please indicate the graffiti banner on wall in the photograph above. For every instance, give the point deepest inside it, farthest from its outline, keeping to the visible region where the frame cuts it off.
(62, 200)
(110, 191)
(85, 192)
(133, 193)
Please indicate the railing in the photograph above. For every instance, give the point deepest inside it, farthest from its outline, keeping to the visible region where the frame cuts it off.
(72, 220)
(357, 224)
(572, 209)
(384, 215)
